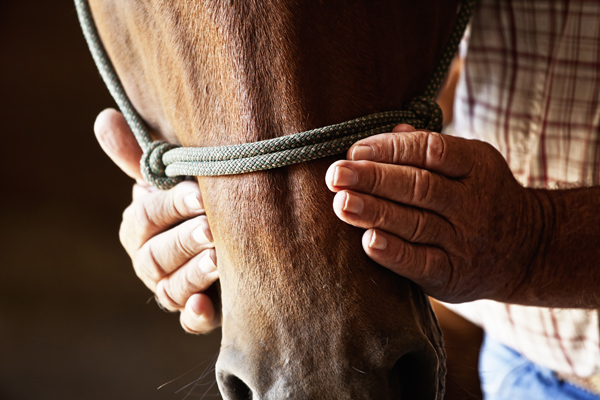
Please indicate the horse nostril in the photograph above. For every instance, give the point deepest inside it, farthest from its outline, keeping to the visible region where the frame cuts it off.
(410, 373)
(234, 388)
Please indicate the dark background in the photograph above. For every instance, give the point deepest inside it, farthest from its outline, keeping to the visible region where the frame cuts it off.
(75, 323)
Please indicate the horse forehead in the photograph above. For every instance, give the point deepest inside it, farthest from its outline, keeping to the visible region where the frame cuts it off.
(214, 72)
(198, 62)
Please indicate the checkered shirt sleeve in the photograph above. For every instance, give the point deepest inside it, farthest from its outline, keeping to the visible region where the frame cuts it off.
(531, 88)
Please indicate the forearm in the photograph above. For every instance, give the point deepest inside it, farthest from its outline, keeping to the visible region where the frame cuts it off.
(565, 268)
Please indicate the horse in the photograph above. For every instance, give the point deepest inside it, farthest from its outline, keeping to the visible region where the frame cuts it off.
(305, 313)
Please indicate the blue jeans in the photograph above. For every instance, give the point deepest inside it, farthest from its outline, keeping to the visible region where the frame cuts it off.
(506, 375)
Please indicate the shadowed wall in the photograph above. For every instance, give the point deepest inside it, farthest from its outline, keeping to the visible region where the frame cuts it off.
(75, 322)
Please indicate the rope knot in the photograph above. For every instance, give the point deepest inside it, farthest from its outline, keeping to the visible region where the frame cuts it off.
(428, 111)
(153, 168)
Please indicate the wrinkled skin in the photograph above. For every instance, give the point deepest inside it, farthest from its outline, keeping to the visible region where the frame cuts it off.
(305, 312)
(467, 221)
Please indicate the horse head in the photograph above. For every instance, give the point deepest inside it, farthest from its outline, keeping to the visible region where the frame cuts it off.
(306, 314)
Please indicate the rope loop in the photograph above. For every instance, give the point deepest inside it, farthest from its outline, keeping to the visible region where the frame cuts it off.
(153, 168)
(427, 110)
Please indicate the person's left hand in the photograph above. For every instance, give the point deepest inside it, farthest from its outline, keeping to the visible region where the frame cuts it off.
(165, 233)
(442, 211)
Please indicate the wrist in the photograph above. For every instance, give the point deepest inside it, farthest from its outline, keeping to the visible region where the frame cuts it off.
(561, 269)
(536, 228)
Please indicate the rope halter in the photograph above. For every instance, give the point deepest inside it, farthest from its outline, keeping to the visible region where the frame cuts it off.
(164, 165)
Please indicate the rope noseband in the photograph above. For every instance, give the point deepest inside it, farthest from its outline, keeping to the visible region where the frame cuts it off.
(164, 165)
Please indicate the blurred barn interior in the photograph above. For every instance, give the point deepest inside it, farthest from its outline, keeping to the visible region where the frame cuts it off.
(75, 322)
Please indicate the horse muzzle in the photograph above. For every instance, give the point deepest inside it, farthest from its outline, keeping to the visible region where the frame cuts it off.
(417, 374)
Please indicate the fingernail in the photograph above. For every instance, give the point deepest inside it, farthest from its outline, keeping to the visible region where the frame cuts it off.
(200, 234)
(363, 152)
(378, 242)
(195, 306)
(403, 128)
(213, 256)
(206, 264)
(344, 176)
(192, 202)
(206, 229)
(353, 204)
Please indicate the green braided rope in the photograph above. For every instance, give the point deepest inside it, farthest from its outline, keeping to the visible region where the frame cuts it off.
(164, 165)
(287, 150)
(151, 168)
(439, 74)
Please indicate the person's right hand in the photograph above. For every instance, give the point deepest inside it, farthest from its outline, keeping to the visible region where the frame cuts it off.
(165, 233)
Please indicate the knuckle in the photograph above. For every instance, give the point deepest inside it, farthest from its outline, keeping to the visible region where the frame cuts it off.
(402, 144)
(402, 256)
(175, 204)
(177, 199)
(397, 147)
(183, 242)
(377, 180)
(147, 265)
(421, 186)
(179, 243)
(156, 212)
(142, 215)
(420, 227)
(183, 284)
(381, 214)
(435, 149)
(189, 286)
(166, 299)
(182, 190)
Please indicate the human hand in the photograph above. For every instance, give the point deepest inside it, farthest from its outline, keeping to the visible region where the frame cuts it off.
(442, 211)
(165, 233)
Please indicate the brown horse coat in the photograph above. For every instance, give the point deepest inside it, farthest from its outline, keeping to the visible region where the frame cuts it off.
(305, 313)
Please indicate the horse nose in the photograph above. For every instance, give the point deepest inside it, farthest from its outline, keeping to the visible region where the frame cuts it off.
(412, 376)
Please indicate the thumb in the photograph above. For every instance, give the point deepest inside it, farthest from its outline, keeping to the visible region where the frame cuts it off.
(117, 141)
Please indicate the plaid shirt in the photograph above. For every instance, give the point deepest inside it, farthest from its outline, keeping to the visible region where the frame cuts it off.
(531, 88)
